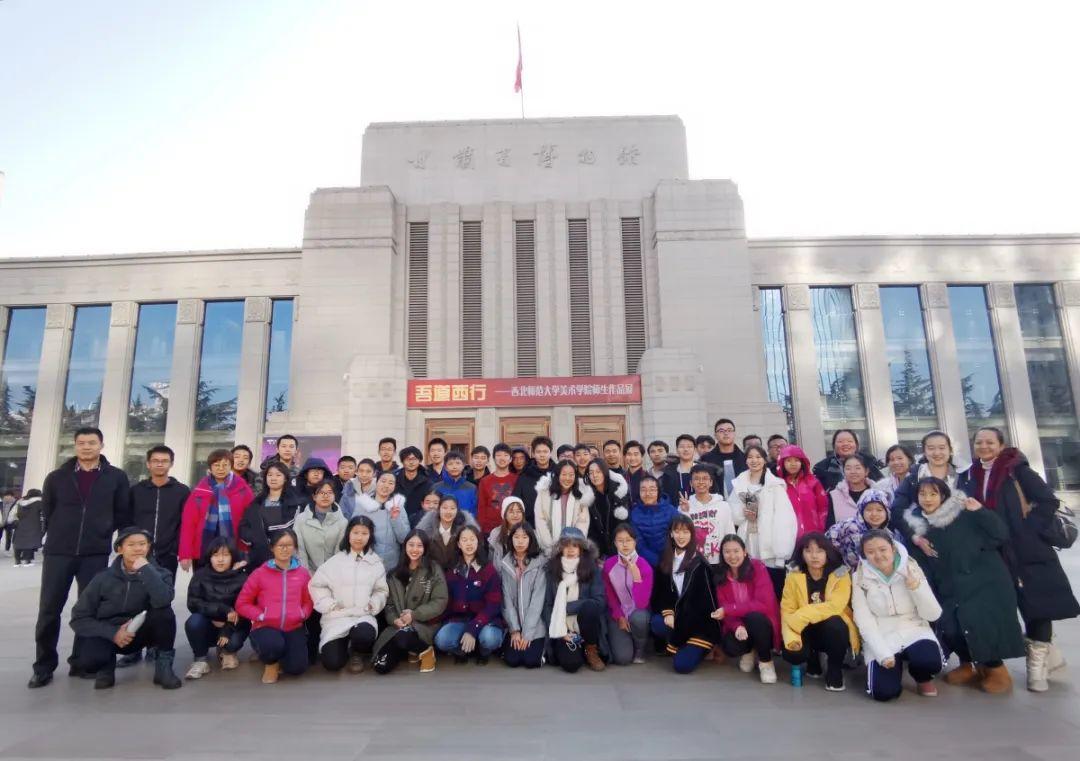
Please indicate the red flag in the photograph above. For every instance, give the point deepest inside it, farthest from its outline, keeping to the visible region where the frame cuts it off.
(517, 80)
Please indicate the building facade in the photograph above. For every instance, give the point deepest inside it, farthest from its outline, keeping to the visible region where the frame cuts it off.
(492, 280)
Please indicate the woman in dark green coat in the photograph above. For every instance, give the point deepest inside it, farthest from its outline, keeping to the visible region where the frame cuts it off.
(964, 564)
(418, 597)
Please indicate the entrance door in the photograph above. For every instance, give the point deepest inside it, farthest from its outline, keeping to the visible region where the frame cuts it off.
(520, 431)
(458, 433)
(596, 429)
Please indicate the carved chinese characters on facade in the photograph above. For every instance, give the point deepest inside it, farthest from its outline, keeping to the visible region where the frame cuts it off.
(502, 158)
(546, 156)
(420, 162)
(468, 157)
(463, 159)
(586, 156)
(628, 155)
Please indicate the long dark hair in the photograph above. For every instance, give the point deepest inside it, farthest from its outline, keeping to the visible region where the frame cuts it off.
(401, 571)
(284, 471)
(533, 550)
(586, 565)
(556, 487)
(481, 547)
(833, 559)
(604, 470)
(666, 560)
(358, 520)
(459, 516)
(744, 572)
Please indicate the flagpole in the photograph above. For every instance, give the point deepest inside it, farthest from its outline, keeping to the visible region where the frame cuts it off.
(519, 84)
(522, 93)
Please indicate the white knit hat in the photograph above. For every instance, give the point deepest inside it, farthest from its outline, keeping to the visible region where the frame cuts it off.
(512, 501)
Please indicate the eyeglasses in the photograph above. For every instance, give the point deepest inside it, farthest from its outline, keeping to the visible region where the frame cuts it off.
(725, 430)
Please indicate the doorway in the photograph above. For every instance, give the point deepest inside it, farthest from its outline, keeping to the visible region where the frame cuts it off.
(596, 429)
(458, 432)
(520, 431)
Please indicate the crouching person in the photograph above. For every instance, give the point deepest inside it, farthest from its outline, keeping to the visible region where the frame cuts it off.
(125, 608)
(211, 598)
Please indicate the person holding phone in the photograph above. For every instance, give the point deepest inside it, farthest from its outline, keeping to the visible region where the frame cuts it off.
(628, 584)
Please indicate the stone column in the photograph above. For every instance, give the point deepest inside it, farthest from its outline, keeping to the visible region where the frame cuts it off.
(1067, 297)
(672, 394)
(116, 386)
(183, 383)
(254, 363)
(944, 366)
(5, 319)
(874, 361)
(1015, 384)
(42, 449)
(802, 360)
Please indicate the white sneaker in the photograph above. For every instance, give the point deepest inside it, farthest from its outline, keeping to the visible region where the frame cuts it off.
(197, 670)
(746, 663)
(767, 672)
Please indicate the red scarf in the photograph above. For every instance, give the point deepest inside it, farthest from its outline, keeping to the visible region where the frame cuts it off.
(1001, 469)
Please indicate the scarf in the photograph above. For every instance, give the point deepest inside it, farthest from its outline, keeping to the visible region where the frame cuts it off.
(219, 514)
(562, 624)
(1000, 469)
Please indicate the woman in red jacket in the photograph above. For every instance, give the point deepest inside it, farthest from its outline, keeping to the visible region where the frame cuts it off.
(277, 602)
(748, 612)
(214, 508)
(807, 495)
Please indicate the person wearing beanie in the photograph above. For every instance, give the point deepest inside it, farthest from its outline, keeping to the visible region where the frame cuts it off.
(513, 513)
(125, 608)
(575, 612)
(872, 512)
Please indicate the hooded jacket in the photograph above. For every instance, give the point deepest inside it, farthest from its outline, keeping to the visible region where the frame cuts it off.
(771, 538)
(523, 598)
(391, 525)
(317, 541)
(608, 510)
(525, 486)
(78, 527)
(346, 590)
(550, 517)
(652, 523)
(460, 489)
(30, 525)
(848, 534)
(442, 552)
(805, 492)
(197, 507)
(829, 472)
(312, 463)
(890, 616)
(273, 598)
(260, 521)
(797, 612)
(425, 595)
(115, 596)
(158, 509)
(755, 595)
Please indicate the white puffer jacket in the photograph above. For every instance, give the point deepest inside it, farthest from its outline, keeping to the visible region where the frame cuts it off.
(774, 539)
(890, 616)
(550, 522)
(348, 589)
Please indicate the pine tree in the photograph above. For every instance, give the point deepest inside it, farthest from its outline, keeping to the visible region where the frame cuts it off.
(913, 393)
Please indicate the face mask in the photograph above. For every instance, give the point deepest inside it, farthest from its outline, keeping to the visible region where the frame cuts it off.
(569, 565)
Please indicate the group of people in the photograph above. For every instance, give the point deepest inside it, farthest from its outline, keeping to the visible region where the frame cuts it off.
(579, 557)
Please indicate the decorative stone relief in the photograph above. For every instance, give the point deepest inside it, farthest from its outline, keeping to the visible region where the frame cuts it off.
(1069, 293)
(420, 162)
(502, 158)
(867, 296)
(59, 316)
(935, 296)
(1002, 295)
(257, 309)
(546, 156)
(463, 159)
(123, 314)
(189, 312)
(586, 156)
(628, 155)
(796, 297)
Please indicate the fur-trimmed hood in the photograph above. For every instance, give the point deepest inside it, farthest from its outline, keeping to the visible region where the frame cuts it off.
(587, 495)
(921, 522)
(429, 523)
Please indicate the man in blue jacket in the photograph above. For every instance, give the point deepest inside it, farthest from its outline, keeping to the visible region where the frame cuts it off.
(456, 484)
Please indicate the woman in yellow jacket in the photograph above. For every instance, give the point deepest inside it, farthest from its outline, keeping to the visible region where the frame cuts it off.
(815, 611)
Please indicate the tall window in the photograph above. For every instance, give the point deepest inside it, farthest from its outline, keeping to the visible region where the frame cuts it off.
(633, 292)
(472, 301)
(148, 404)
(277, 373)
(909, 363)
(777, 375)
(577, 231)
(525, 296)
(977, 357)
(18, 390)
(219, 379)
(839, 376)
(416, 330)
(86, 373)
(1048, 372)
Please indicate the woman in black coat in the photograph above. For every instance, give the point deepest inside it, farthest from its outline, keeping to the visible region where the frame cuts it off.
(845, 443)
(29, 529)
(610, 508)
(211, 598)
(272, 510)
(1001, 479)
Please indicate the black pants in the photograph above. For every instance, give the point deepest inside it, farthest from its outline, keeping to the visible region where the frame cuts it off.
(760, 641)
(405, 641)
(98, 654)
(9, 534)
(287, 648)
(571, 655)
(202, 635)
(24, 556)
(1039, 629)
(169, 561)
(313, 624)
(830, 637)
(951, 633)
(335, 654)
(57, 573)
(777, 576)
(531, 657)
(923, 660)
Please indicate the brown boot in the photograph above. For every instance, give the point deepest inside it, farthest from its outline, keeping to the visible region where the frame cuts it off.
(964, 674)
(592, 657)
(270, 673)
(427, 661)
(996, 680)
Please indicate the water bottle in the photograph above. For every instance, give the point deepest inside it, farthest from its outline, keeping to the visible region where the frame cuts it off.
(796, 676)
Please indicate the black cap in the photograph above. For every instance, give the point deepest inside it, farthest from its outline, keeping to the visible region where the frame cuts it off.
(131, 531)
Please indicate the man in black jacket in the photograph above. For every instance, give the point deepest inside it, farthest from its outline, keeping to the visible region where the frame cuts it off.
(156, 506)
(124, 608)
(538, 467)
(727, 458)
(83, 502)
(413, 483)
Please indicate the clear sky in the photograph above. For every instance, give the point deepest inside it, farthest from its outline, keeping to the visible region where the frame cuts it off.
(138, 125)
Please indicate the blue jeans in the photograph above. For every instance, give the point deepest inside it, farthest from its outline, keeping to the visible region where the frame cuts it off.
(448, 638)
(686, 658)
(202, 635)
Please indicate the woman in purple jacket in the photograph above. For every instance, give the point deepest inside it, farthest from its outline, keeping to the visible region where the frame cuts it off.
(473, 618)
(628, 581)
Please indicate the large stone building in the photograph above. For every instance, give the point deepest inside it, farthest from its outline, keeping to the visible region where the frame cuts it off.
(573, 255)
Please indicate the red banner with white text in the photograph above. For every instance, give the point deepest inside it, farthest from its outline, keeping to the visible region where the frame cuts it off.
(524, 392)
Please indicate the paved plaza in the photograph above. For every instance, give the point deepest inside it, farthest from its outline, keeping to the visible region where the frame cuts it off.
(472, 713)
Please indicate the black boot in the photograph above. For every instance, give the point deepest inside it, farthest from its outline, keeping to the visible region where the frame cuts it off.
(163, 670)
(106, 676)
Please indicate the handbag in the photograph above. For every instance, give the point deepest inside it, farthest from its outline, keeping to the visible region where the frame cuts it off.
(1060, 531)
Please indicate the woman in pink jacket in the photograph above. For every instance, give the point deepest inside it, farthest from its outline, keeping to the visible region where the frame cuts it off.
(628, 583)
(214, 508)
(748, 611)
(807, 495)
(277, 602)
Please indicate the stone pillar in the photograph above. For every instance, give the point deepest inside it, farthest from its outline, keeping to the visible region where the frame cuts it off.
(254, 364)
(672, 394)
(184, 383)
(945, 367)
(116, 385)
(802, 360)
(874, 361)
(1015, 384)
(375, 393)
(1067, 297)
(42, 449)
(5, 319)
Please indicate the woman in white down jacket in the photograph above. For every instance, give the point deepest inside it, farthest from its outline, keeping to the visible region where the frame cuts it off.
(893, 606)
(349, 590)
(763, 515)
(562, 501)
